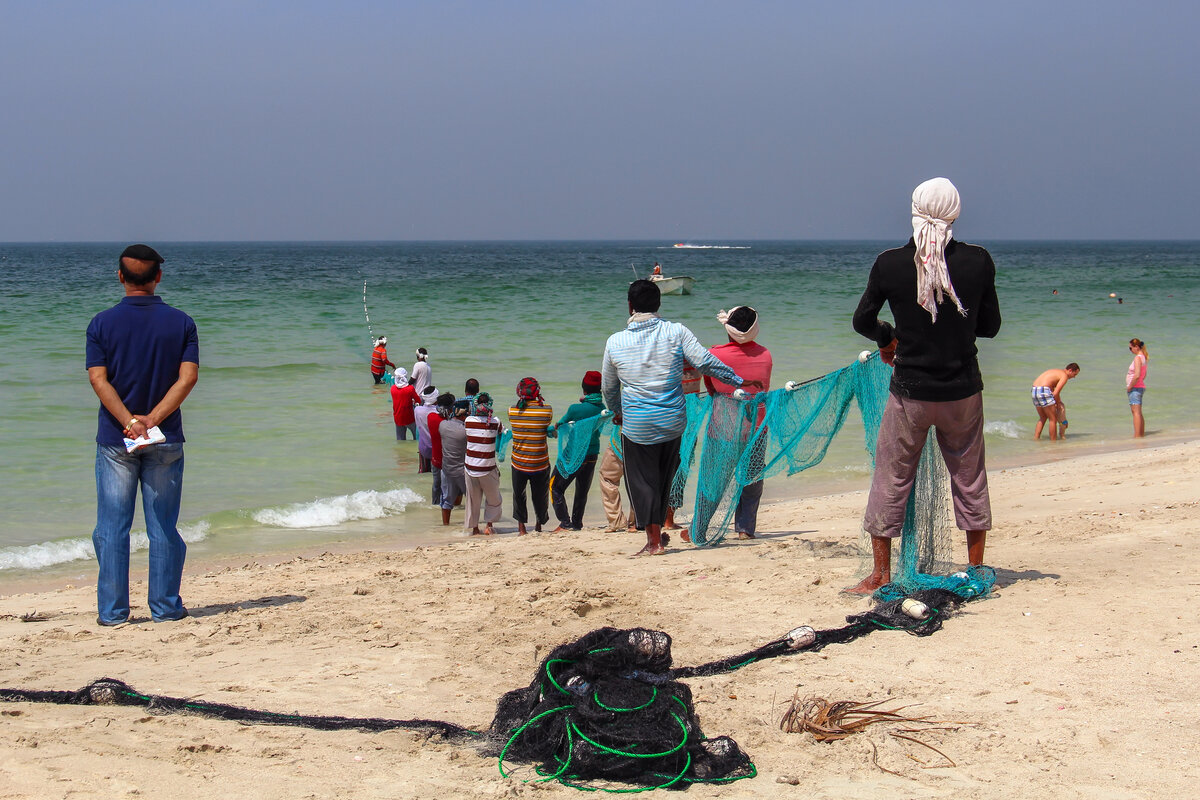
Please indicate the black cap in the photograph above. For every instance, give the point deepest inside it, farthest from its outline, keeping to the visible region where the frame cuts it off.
(142, 252)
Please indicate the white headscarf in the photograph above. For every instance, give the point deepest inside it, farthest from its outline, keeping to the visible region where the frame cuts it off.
(400, 376)
(935, 205)
(741, 337)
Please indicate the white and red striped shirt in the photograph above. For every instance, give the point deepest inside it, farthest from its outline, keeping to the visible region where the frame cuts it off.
(482, 435)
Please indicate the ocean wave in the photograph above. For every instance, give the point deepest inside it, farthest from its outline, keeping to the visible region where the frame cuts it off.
(328, 511)
(1009, 429)
(47, 554)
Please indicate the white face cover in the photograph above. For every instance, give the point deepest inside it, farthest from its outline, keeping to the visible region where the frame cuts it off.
(935, 205)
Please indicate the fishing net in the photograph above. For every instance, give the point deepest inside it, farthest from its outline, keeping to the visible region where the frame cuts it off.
(605, 709)
(787, 430)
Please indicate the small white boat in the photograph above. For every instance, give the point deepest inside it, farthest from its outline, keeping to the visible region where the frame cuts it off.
(677, 284)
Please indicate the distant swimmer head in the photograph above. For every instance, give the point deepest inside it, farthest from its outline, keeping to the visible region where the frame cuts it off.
(422, 354)
(400, 377)
(935, 206)
(741, 324)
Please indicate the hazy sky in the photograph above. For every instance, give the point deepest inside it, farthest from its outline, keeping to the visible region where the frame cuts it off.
(696, 121)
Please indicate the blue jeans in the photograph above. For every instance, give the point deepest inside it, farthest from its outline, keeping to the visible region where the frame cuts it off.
(159, 470)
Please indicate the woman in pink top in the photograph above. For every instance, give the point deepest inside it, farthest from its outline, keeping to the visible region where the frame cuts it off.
(1135, 384)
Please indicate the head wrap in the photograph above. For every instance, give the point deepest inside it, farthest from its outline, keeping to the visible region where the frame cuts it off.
(429, 396)
(483, 403)
(935, 205)
(422, 354)
(741, 337)
(400, 376)
(382, 340)
(527, 391)
(591, 381)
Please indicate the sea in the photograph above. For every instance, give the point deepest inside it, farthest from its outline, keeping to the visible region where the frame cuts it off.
(291, 447)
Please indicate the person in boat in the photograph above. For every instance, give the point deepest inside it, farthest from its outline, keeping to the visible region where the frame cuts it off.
(657, 272)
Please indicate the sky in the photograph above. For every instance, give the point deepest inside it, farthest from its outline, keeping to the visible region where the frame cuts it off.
(566, 119)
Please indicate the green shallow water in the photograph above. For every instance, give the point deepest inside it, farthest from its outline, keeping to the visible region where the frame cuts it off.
(285, 425)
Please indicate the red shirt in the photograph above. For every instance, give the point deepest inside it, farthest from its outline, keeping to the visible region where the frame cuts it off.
(435, 438)
(751, 361)
(403, 400)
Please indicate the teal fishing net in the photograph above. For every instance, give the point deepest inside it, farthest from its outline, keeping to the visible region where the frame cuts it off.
(729, 444)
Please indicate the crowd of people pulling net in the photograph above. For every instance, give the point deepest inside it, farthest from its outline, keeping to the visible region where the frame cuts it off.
(731, 443)
(609, 710)
(605, 711)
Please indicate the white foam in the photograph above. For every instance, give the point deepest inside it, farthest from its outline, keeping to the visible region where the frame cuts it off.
(327, 511)
(1008, 429)
(47, 554)
(706, 247)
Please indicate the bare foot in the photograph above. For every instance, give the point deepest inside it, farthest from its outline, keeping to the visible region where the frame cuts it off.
(520, 529)
(745, 535)
(561, 529)
(650, 551)
(489, 530)
(631, 529)
(685, 535)
(868, 585)
(664, 539)
(476, 532)
(537, 528)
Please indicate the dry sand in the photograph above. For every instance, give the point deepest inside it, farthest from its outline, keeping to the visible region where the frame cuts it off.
(1078, 679)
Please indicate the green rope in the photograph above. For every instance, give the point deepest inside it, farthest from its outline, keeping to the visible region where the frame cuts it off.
(551, 677)
(647, 704)
(615, 752)
(519, 731)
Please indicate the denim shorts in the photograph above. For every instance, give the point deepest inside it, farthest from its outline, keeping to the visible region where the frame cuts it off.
(1135, 395)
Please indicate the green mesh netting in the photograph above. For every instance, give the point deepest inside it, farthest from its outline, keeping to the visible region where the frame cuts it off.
(728, 444)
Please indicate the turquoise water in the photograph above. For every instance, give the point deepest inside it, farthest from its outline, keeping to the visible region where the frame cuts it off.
(290, 445)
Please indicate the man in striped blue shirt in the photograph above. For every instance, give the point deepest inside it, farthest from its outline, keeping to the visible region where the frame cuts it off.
(641, 380)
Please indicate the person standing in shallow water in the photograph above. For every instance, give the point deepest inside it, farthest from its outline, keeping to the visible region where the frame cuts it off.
(942, 295)
(529, 454)
(143, 359)
(379, 360)
(1047, 398)
(1135, 384)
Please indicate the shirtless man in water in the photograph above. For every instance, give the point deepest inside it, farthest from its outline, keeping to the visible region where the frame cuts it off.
(1047, 398)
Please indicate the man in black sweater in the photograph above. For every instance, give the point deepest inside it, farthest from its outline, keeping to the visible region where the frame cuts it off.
(942, 295)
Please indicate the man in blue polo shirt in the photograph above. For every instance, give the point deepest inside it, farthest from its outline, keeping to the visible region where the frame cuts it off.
(143, 358)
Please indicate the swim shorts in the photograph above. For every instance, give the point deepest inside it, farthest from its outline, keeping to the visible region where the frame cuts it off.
(1135, 396)
(1043, 396)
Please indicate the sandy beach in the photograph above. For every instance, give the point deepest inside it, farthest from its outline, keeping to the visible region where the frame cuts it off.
(1076, 679)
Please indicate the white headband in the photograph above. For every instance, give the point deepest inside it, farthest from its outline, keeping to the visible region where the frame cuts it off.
(741, 337)
(935, 205)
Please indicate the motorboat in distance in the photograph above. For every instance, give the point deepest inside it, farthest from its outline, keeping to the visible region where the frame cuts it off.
(677, 284)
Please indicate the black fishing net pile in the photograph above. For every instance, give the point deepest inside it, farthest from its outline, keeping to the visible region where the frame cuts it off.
(606, 707)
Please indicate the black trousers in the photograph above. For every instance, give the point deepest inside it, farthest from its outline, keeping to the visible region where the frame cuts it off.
(649, 470)
(558, 491)
(539, 490)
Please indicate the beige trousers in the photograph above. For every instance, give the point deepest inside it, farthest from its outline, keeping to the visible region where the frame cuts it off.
(611, 471)
(480, 490)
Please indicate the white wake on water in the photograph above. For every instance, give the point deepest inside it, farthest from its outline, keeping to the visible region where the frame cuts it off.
(327, 511)
(1008, 429)
(47, 554)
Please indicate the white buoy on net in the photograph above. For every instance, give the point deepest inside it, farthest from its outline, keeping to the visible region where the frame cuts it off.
(864, 355)
(801, 637)
(914, 608)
